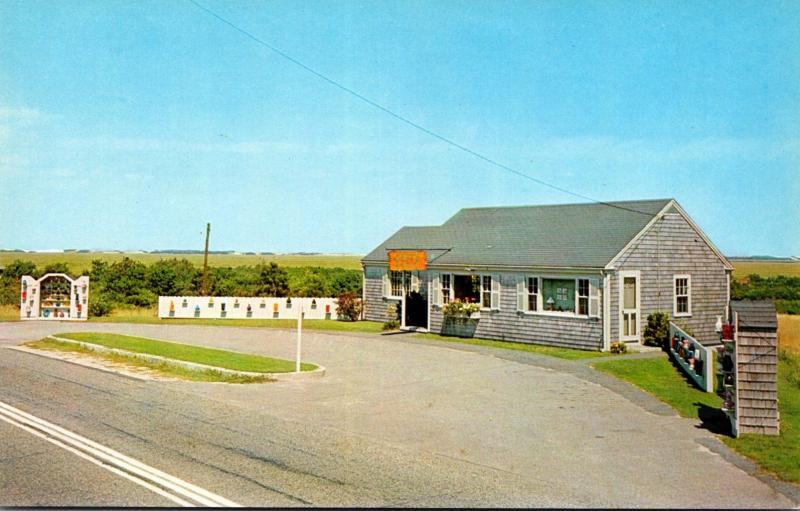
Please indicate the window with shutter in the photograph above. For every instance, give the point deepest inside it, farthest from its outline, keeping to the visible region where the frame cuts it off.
(594, 298)
(436, 289)
(495, 282)
(521, 294)
(385, 285)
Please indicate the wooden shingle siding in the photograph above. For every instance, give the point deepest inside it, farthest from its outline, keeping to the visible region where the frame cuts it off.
(375, 303)
(671, 246)
(757, 382)
(507, 324)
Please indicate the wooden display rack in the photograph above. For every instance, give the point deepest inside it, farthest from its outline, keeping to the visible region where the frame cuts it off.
(54, 296)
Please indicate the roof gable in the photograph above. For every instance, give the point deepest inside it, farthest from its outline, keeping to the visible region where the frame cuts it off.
(570, 235)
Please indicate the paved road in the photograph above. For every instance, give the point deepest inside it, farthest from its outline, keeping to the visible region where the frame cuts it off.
(393, 423)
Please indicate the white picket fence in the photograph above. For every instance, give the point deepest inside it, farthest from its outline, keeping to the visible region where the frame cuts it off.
(245, 307)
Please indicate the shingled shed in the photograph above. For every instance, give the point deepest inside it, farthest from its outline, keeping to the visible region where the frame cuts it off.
(756, 325)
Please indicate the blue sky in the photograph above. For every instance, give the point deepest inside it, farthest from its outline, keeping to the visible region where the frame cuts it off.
(129, 125)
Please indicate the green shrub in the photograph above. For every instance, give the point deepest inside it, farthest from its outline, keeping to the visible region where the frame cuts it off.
(349, 306)
(618, 347)
(391, 324)
(100, 307)
(656, 333)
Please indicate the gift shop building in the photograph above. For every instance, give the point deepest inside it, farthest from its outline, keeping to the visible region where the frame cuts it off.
(574, 275)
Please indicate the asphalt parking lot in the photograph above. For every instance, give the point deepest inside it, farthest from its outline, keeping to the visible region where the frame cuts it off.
(527, 427)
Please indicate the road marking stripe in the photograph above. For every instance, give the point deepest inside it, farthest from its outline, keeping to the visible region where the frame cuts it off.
(110, 468)
(120, 461)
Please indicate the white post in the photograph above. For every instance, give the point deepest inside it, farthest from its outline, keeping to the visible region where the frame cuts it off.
(299, 334)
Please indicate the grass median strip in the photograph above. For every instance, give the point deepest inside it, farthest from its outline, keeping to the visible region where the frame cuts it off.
(776, 454)
(148, 316)
(552, 351)
(189, 353)
(162, 368)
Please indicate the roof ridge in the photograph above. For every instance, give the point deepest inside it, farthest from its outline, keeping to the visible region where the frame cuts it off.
(597, 203)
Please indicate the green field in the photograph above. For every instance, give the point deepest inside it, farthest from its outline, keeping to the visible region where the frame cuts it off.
(742, 269)
(81, 262)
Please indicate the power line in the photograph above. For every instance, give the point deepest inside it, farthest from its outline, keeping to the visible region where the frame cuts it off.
(403, 119)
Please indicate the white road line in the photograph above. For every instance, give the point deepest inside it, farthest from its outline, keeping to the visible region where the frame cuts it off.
(154, 489)
(151, 478)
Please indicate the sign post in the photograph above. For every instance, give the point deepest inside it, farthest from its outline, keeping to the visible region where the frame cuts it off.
(299, 334)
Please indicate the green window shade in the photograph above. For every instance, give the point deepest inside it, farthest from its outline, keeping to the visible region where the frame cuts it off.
(558, 295)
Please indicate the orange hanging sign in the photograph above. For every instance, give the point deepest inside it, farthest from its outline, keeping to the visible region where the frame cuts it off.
(404, 260)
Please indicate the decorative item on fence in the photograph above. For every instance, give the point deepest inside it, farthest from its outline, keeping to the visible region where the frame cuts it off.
(210, 302)
(185, 303)
(691, 357)
(249, 310)
(171, 308)
(236, 304)
(313, 303)
(288, 303)
(197, 311)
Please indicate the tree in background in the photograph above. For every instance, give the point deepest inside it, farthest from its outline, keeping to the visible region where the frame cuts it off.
(272, 280)
(57, 268)
(173, 277)
(311, 284)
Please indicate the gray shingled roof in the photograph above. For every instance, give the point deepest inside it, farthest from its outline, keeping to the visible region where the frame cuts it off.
(755, 314)
(569, 235)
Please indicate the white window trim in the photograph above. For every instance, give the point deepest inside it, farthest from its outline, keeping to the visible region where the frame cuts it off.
(563, 314)
(389, 277)
(620, 291)
(495, 289)
(688, 295)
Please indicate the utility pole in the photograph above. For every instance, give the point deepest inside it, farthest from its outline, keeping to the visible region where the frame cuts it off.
(299, 334)
(205, 261)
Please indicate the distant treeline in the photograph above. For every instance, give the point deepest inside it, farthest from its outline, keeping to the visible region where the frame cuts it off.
(783, 290)
(132, 283)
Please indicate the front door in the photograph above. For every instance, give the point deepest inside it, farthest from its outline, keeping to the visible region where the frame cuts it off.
(629, 305)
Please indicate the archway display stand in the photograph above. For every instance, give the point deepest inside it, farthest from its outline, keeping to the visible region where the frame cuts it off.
(54, 297)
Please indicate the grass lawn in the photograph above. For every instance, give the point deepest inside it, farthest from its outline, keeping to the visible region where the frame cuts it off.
(565, 353)
(81, 262)
(163, 368)
(776, 454)
(145, 315)
(190, 353)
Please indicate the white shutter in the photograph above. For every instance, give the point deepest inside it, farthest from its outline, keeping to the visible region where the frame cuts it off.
(386, 287)
(436, 290)
(495, 291)
(521, 285)
(594, 298)
(414, 282)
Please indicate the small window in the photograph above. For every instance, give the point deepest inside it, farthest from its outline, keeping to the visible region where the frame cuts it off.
(486, 291)
(533, 293)
(446, 288)
(396, 279)
(583, 297)
(683, 306)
